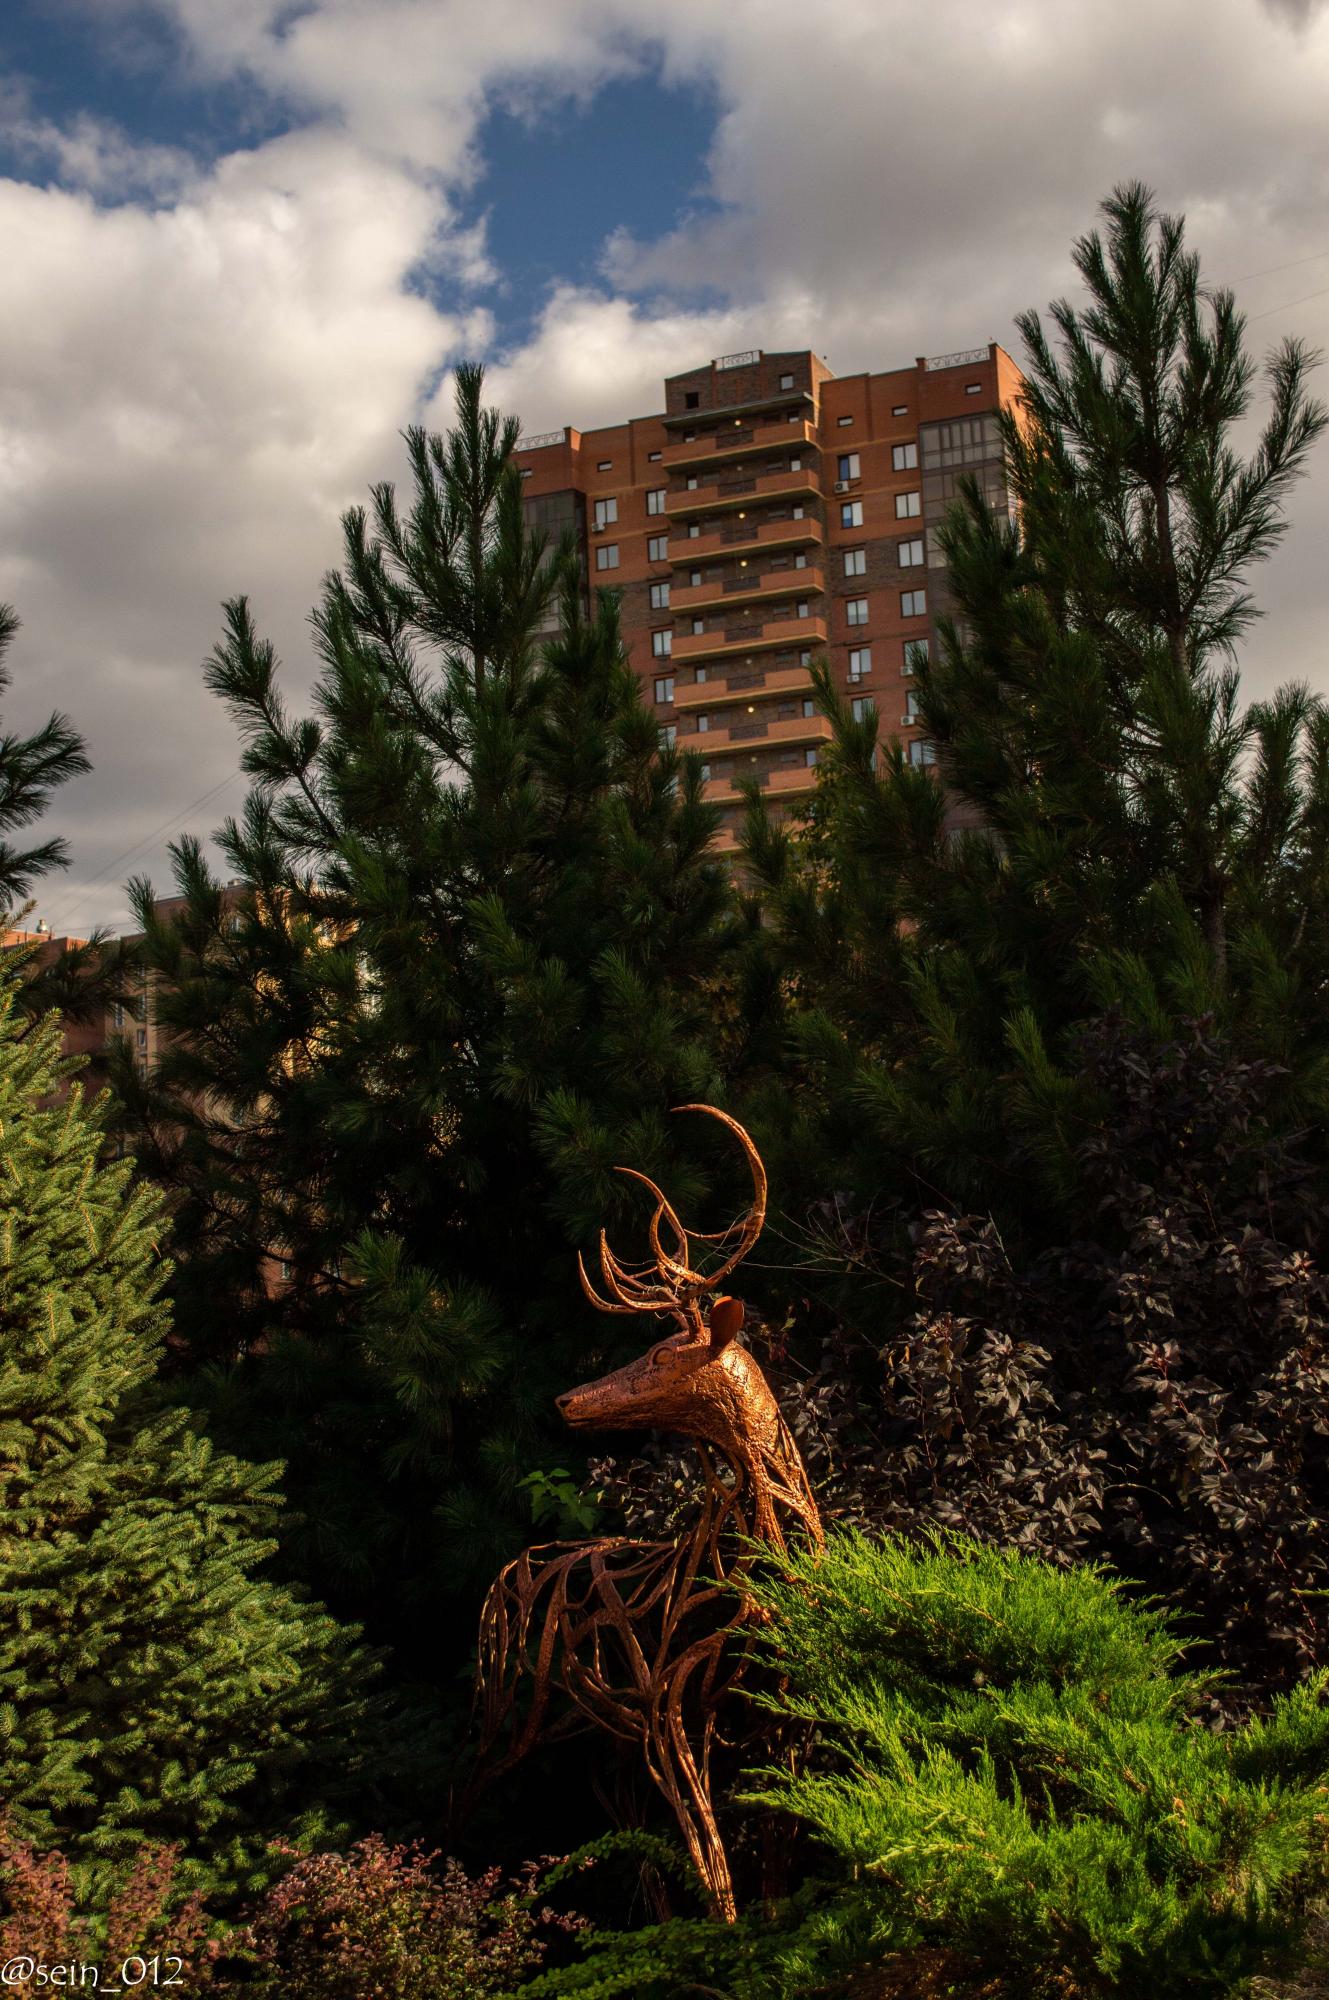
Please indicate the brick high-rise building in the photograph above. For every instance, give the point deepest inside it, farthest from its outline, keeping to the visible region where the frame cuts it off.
(774, 512)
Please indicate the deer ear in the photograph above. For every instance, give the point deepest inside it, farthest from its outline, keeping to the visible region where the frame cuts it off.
(726, 1319)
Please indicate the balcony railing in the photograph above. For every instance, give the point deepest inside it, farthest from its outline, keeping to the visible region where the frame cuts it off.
(724, 790)
(749, 534)
(739, 440)
(772, 583)
(721, 493)
(735, 687)
(750, 638)
(779, 731)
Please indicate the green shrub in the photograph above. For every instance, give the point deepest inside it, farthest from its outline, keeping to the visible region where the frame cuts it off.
(1011, 1790)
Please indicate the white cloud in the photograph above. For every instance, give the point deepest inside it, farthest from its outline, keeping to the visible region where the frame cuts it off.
(197, 380)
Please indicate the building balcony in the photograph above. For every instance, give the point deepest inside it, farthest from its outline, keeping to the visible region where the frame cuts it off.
(787, 582)
(737, 537)
(740, 734)
(721, 495)
(749, 638)
(784, 399)
(723, 791)
(739, 440)
(739, 686)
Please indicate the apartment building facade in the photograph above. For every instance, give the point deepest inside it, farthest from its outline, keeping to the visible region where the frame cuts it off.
(775, 512)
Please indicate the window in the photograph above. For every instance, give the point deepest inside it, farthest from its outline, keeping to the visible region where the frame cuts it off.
(899, 409)
(805, 657)
(904, 457)
(692, 482)
(921, 751)
(118, 1015)
(908, 506)
(699, 676)
(605, 465)
(659, 597)
(786, 381)
(795, 463)
(860, 662)
(141, 1037)
(694, 578)
(662, 644)
(915, 653)
(911, 704)
(706, 774)
(847, 465)
(910, 554)
(698, 625)
(655, 499)
(286, 1270)
(668, 735)
(657, 548)
(606, 512)
(795, 513)
(809, 708)
(691, 399)
(800, 562)
(694, 531)
(809, 758)
(703, 723)
(855, 562)
(973, 388)
(606, 556)
(844, 422)
(851, 513)
(913, 603)
(526, 471)
(856, 610)
(664, 688)
(862, 706)
(653, 457)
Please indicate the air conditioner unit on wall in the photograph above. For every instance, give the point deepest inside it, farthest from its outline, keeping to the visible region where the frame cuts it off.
(842, 485)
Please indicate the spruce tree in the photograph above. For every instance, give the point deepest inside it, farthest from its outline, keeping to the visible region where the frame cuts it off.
(153, 1686)
(1106, 826)
(480, 959)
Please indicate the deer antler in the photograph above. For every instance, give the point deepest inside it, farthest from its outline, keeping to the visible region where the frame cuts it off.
(670, 1284)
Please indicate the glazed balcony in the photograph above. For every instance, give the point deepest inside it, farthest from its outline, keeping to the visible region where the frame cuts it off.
(749, 638)
(721, 495)
(737, 537)
(741, 686)
(741, 734)
(784, 582)
(737, 441)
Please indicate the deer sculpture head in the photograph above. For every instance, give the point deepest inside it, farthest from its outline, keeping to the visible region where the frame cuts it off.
(698, 1380)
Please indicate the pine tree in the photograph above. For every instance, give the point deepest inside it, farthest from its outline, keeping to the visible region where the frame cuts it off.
(1111, 828)
(81, 981)
(479, 963)
(153, 1686)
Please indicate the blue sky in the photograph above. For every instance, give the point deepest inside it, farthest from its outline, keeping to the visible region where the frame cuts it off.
(629, 156)
(245, 243)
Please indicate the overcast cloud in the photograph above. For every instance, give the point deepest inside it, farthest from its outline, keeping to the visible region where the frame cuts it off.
(202, 365)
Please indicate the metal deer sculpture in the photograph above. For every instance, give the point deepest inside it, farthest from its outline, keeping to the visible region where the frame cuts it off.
(639, 1636)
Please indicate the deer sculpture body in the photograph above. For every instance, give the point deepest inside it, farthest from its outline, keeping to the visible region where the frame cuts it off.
(643, 1638)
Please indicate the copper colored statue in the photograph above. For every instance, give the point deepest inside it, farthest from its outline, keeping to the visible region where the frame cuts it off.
(638, 1635)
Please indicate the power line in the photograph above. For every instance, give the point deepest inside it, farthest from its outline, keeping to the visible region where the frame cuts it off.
(1288, 304)
(1292, 264)
(130, 853)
